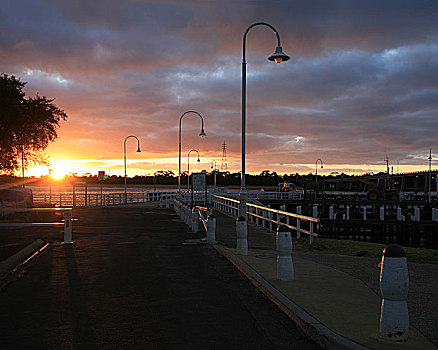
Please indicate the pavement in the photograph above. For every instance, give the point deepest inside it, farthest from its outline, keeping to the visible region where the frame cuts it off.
(334, 298)
(138, 278)
(135, 279)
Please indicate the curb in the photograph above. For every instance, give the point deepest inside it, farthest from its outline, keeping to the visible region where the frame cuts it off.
(322, 335)
(9, 266)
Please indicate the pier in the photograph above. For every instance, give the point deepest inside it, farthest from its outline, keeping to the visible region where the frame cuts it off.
(136, 276)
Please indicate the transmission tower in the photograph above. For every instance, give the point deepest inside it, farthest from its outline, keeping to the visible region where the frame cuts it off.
(224, 165)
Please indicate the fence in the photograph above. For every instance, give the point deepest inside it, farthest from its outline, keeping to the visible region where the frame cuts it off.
(98, 199)
(267, 217)
(67, 222)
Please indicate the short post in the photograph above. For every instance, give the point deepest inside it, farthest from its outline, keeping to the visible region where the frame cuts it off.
(285, 268)
(195, 220)
(394, 286)
(242, 236)
(364, 213)
(299, 222)
(382, 213)
(417, 213)
(331, 212)
(67, 227)
(211, 229)
(347, 213)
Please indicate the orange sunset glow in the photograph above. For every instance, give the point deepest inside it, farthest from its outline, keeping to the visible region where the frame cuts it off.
(348, 97)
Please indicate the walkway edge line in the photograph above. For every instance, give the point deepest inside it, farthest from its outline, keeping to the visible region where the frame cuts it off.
(19, 259)
(311, 326)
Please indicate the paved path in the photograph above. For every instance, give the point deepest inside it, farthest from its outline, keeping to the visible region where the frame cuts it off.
(317, 273)
(130, 282)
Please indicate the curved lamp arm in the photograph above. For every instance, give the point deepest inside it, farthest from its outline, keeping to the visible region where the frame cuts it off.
(202, 134)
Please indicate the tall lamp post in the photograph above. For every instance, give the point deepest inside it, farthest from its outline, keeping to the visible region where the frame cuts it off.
(278, 56)
(202, 134)
(188, 166)
(124, 158)
(430, 175)
(316, 174)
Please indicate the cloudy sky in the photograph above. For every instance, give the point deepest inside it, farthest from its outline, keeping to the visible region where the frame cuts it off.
(362, 81)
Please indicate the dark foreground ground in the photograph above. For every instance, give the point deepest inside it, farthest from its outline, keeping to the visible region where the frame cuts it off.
(132, 282)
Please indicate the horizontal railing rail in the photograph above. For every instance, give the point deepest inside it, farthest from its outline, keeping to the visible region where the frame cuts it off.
(261, 216)
(67, 223)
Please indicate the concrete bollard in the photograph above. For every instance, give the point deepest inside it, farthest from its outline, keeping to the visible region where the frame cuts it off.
(242, 236)
(285, 268)
(331, 208)
(211, 229)
(299, 222)
(67, 227)
(382, 213)
(394, 286)
(195, 220)
(416, 213)
(187, 216)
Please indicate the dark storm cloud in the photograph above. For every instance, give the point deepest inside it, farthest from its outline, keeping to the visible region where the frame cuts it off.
(362, 80)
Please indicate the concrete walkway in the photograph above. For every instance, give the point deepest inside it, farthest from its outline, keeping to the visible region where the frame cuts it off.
(338, 299)
(133, 280)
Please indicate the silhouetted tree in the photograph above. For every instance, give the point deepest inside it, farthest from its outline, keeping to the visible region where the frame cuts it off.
(27, 125)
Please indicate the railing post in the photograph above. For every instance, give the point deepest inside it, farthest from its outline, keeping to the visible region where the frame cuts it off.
(382, 213)
(299, 222)
(195, 220)
(311, 232)
(211, 229)
(67, 227)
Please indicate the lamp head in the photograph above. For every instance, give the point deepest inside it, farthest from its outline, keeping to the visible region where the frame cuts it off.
(138, 149)
(278, 56)
(198, 160)
(202, 133)
(322, 166)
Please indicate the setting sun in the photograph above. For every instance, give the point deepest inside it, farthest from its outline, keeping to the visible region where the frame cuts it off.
(57, 172)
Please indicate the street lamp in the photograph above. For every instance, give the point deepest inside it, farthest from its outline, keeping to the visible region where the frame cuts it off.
(188, 166)
(278, 56)
(124, 154)
(316, 174)
(430, 175)
(202, 134)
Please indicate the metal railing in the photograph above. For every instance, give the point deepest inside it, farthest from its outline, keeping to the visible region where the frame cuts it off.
(268, 217)
(98, 199)
(67, 222)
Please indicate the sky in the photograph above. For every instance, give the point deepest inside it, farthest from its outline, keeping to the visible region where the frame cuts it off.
(362, 82)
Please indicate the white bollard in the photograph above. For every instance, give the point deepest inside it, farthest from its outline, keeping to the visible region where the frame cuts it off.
(285, 268)
(242, 236)
(67, 227)
(211, 229)
(331, 212)
(195, 220)
(187, 216)
(394, 286)
(416, 213)
(382, 213)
